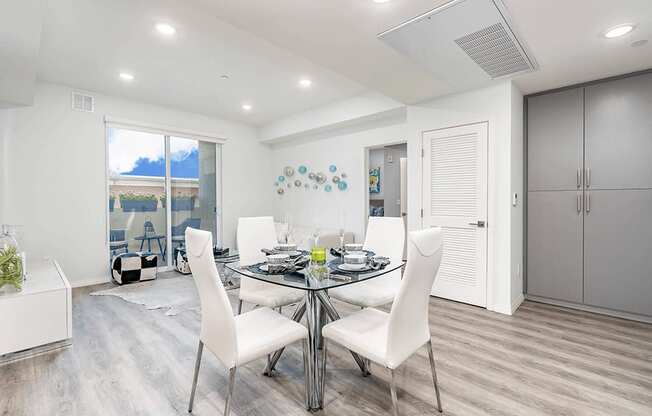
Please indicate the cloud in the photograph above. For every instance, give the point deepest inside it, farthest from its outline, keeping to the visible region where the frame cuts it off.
(126, 147)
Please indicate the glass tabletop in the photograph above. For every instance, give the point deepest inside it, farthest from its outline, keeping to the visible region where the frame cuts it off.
(313, 278)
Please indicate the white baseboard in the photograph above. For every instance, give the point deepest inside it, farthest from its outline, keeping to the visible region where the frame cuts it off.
(516, 302)
(90, 282)
(510, 308)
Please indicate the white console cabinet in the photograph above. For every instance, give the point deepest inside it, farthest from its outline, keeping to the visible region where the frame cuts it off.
(39, 317)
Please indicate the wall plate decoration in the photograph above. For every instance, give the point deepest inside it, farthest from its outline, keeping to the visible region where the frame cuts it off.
(320, 178)
(336, 179)
(328, 188)
(302, 169)
(281, 178)
(315, 187)
(297, 183)
(343, 175)
(306, 185)
(342, 186)
(288, 171)
(280, 191)
(275, 183)
(312, 176)
(332, 168)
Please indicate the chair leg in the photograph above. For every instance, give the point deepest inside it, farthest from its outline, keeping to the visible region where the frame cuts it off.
(229, 396)
(240, 307)
(434, 374)
(200, 349)
(392, 387)
(306, 373)
(322, 380)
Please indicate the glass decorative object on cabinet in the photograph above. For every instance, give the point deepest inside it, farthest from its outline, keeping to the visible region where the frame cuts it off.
(11, 262)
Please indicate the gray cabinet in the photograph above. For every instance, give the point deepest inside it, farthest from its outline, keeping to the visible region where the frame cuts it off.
(555, 245)
(619, 133)
(601, 255)
(618, 251)
(555, 128)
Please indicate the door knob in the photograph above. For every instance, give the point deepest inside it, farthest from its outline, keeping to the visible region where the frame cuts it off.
(480, 224)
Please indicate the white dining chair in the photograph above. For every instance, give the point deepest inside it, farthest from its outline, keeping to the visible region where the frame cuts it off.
(235, 341)
(254, 234)
(389, 339)
(385, 237)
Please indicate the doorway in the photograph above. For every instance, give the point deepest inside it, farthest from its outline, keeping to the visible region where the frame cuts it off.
(387, 192)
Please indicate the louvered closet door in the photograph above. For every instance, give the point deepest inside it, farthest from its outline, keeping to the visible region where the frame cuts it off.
(455, 198)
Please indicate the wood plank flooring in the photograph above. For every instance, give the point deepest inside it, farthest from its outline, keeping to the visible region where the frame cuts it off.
(544, 360)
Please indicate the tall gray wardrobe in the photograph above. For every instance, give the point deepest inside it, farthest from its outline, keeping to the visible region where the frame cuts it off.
(589, 199)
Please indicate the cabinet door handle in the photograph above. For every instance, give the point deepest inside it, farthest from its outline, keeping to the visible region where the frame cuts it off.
(579, 203)
(579, 177)
(587, 177)
(588, 202)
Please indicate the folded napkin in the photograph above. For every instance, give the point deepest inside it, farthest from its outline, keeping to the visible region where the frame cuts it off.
(289, 266)
(378, 262)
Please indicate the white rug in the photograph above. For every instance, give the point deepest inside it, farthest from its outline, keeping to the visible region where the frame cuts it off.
(177, 294)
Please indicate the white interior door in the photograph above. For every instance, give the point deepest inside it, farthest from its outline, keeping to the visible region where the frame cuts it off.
(455, 198)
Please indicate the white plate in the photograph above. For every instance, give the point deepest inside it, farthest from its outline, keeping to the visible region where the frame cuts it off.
(352, 267)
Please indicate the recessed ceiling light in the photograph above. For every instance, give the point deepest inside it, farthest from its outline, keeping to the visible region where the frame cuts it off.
(305, 83)
(126, 76)
(619, 30)
(165, 29)
(224, 76)
(246, 107)
(639, 43)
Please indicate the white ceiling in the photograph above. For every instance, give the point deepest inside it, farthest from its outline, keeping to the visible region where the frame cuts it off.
(87, 43)
(564, 36)
(266, 46)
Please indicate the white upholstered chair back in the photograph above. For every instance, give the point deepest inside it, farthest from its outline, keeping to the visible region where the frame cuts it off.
(408, 323)
(254, 233)
(386, 237)
(217, 322)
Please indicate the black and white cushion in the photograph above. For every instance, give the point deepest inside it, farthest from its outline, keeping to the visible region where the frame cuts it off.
(134, 267)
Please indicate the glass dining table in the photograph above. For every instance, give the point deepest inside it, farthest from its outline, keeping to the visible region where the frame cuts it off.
(316, 306)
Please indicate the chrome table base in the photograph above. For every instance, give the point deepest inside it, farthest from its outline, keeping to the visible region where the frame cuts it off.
(316, 306)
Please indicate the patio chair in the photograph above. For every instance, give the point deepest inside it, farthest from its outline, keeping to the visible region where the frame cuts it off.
(118, 242)
(178, 231)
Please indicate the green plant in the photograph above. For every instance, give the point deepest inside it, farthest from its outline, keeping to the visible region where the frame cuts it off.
(111, 198)
(130, 196)
(11, 268)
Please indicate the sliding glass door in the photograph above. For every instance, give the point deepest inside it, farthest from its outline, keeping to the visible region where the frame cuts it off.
(158, 186)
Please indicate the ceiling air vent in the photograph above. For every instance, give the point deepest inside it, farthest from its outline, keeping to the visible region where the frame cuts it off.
(83, 102)
(494, 51)
(464, 43)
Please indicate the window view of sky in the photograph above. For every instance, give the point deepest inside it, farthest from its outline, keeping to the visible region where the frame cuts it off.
(143, 154)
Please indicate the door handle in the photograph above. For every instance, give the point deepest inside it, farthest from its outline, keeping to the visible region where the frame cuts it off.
(579, 177)
(587, 177)
(480, 224)
(579, 202)
(588, 202)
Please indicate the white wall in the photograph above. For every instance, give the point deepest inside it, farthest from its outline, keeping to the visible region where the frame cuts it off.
(490, 104)
(348, 153)
(4, 128)
(56, 168)
(517, 168)
(499, 105)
